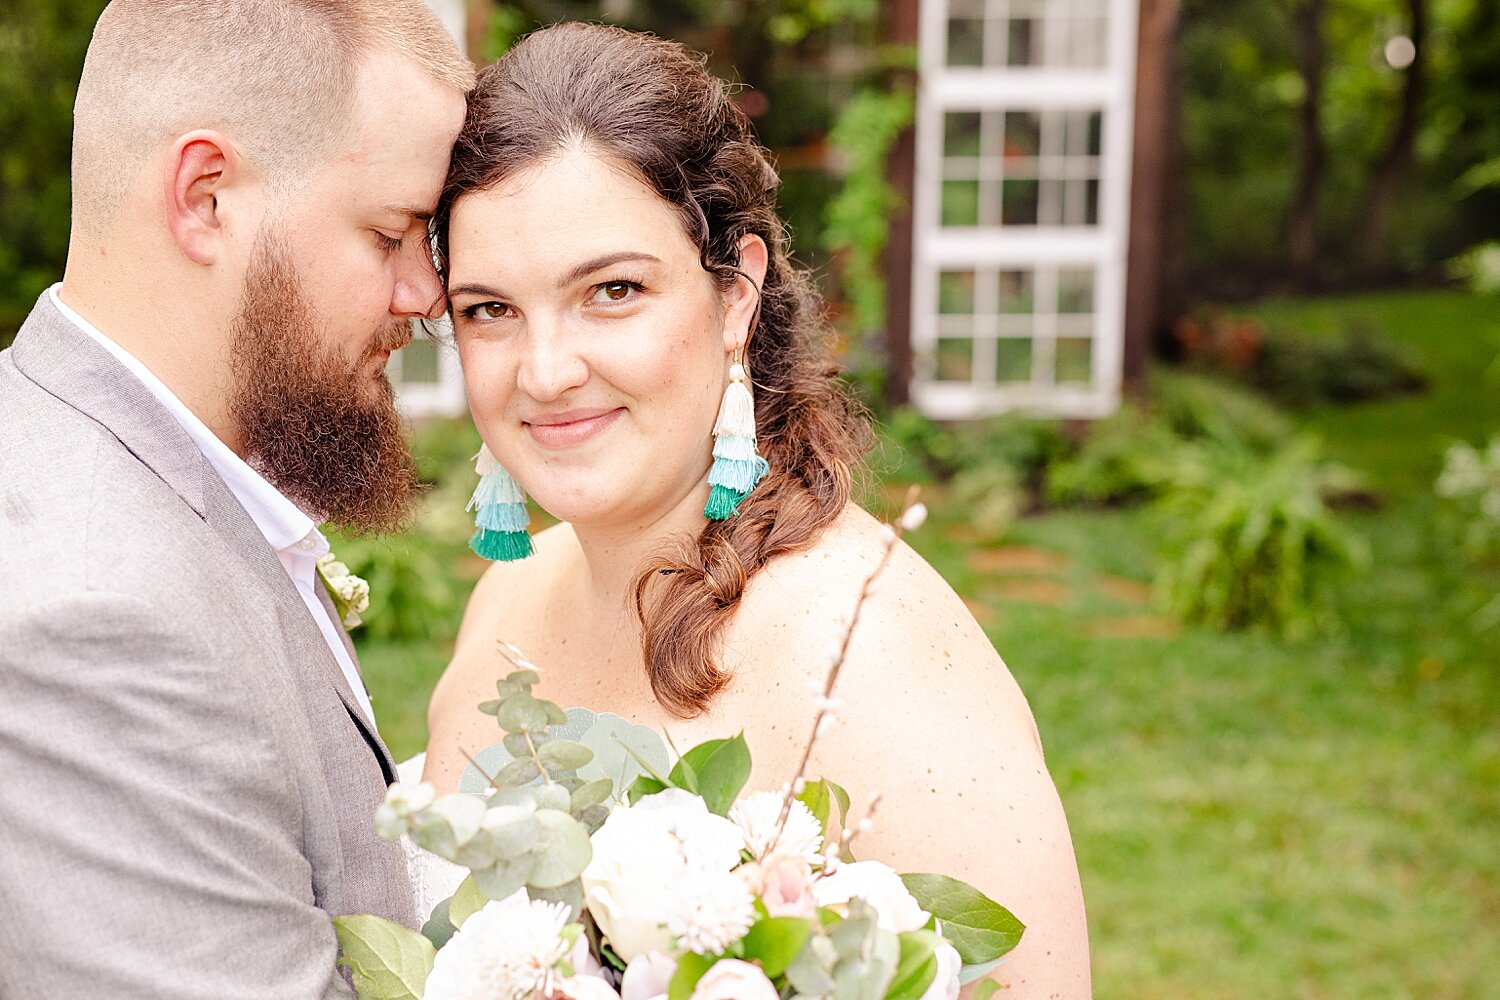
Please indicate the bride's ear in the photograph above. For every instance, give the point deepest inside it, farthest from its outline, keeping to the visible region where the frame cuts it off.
(742, 301)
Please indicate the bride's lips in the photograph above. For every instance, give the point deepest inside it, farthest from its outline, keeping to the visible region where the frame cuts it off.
(570, 427)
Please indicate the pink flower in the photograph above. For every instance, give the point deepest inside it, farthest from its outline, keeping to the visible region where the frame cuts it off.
(731, 979)
(648, 976)
(784, 882)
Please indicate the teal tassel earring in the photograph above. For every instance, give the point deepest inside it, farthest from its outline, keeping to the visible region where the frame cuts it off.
(502, 518)
(737, 465)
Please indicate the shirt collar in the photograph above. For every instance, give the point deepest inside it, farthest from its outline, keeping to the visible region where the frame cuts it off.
(282, 522)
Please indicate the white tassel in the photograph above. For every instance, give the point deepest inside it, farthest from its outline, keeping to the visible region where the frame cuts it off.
(737, 413)
(484, 461)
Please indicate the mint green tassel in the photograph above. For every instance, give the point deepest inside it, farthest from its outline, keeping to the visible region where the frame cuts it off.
(501, 546)
(722, 503)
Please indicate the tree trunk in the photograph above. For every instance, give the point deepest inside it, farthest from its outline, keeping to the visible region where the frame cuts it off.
(898, 23)
(1391, 169)
(1302, 221)
(1153, 277)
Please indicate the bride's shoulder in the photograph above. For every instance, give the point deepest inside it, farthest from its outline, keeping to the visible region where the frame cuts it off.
(508, 590)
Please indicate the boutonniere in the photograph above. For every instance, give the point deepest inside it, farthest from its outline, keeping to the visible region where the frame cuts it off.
(350, 594)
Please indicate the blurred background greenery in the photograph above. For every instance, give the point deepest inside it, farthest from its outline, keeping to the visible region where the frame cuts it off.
(1256, 610)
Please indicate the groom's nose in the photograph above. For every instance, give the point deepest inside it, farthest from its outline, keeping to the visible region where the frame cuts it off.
(419, 291)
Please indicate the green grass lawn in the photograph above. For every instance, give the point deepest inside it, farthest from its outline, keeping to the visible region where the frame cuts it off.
(1254, 817)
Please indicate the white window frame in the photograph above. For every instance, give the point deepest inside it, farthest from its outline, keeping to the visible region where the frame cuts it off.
(1101, 248)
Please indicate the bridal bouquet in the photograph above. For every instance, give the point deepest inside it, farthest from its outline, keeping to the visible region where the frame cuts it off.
(677, 886)
(680, 888)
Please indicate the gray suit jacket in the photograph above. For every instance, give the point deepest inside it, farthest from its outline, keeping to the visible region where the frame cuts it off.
(187, 788)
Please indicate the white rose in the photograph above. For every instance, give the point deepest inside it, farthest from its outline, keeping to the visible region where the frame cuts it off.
(732, 979)
(944, 985)
(896, 909)
(643, 856)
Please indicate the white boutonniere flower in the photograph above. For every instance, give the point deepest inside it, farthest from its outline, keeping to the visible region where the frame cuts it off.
(351, 595)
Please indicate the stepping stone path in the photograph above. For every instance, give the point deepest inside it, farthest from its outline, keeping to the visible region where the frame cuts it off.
(1020, 574)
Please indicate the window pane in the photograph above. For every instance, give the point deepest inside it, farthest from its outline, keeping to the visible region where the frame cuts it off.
(1013, 360)
(1075, 290)
(1019, 203)
(1025, 43)
(960, 203)
(961, 133)
(1023, 134)
(1075, 360)
(956, 292)
(1015, 292)
(965, 42)
(954, 360)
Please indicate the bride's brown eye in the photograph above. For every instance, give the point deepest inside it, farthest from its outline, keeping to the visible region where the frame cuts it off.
(492, 310)
(617, 290)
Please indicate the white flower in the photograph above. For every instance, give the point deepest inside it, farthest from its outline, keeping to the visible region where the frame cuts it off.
(896, 910)
(508, 950)
(648, 976)
(644, 857)
(351, 594)
(713, 910)
(756, 815)
(732, 979)
(944, 985)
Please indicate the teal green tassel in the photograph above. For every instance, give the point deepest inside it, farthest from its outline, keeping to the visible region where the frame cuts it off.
(722, 502)
(501, 546)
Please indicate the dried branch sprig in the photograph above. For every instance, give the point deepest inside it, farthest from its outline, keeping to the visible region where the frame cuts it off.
(912, 515)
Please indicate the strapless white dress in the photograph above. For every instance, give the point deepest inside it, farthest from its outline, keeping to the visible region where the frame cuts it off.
(616, 743)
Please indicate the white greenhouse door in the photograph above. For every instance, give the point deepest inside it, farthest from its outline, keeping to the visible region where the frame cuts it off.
(1021, 206)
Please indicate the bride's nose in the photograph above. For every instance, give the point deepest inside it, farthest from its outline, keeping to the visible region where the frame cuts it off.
(551, 363)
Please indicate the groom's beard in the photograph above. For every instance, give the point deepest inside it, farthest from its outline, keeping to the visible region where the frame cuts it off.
(321, 429)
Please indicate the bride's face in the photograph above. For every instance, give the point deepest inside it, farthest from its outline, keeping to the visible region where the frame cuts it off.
(595, 347)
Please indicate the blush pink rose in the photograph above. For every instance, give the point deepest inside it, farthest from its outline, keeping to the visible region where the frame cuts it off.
(784, 882)
(731, 979)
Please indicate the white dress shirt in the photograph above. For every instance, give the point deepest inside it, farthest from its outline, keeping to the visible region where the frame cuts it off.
(291, 533)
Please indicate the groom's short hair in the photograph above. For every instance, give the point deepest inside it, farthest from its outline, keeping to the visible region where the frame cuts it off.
(278, 76)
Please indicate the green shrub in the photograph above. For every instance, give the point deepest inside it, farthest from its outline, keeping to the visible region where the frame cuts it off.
(1197, 406)
(415, 593)
(1125, 459)
(1360, 365)
(1249, 542)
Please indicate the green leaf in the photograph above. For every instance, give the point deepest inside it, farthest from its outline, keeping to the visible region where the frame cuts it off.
(503, 879)
(841, 797)
(917, 967)
(563, 851)
(388, 961)
(986, 989)
(468, 900)
(690, 968)
(522, 714)
(819, 801)
(523, 678)
(978, 927)
(569, 893)
(642, 786)
(594, 793)
(490, 707)
(519, 744)
(968, 973)
(518, 772)
(721, 768)
(439, 928)
(564, 755)
(776, 941)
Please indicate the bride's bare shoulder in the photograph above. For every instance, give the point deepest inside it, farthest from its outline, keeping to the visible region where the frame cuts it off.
(509, 592)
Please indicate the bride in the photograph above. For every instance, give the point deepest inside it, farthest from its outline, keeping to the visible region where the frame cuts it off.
(616, 272)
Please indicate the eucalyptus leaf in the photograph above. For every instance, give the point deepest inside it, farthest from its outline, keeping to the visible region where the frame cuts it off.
(570, 893)
(691, 967)
(464, 814)
(593, 818)
(562, 852)
(719, 769)
(387, 961)
(917, 966)
(968, 973)
(811, 972)
(467, 900)
(775, 942)
(522, 714)
(523, 678)
(553, 797)
(594, 793)
(564, 755)
(503, 879)
(978, 927)
(519, 746)
(518, 772)
(869, 972)
(555, 715)
(513, 831)
(490, 707)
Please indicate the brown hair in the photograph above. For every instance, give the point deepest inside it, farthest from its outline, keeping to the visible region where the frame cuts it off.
(279, 75)
(650, 104)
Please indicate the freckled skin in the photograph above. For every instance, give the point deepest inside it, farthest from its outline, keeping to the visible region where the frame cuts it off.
(930, 712)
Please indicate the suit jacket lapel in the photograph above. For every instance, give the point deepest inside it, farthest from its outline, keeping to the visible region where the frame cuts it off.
(52, 352)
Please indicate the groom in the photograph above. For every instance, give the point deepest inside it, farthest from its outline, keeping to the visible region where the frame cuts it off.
(189, 765)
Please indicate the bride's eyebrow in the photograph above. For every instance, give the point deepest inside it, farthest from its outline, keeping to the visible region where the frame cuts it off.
(588, 267)
(475, 289)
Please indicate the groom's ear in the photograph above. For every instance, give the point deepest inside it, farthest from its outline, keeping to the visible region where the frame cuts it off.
(204, 174)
